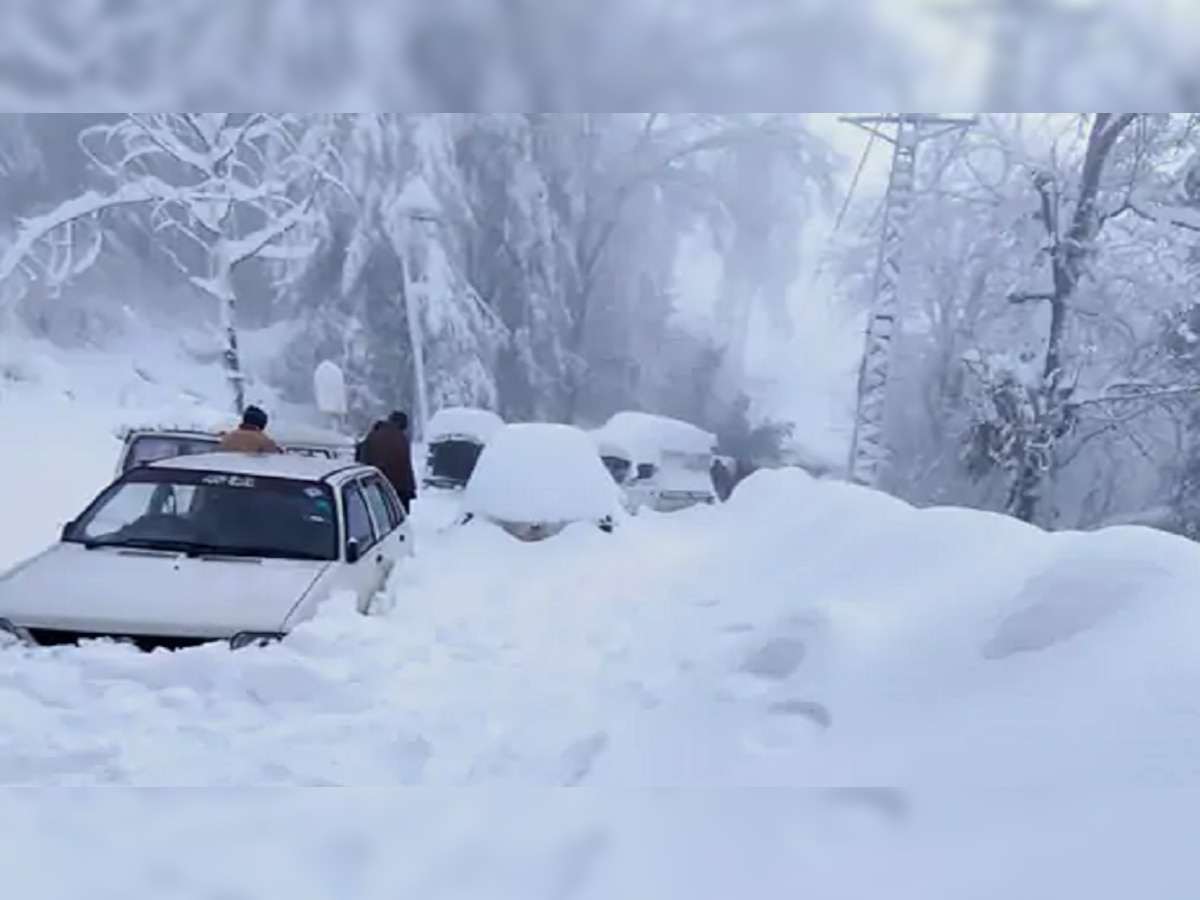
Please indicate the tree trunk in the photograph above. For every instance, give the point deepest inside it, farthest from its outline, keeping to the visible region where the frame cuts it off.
(222, 286)
(1067, 254)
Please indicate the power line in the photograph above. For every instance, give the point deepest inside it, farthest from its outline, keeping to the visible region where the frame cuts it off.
(862, 164)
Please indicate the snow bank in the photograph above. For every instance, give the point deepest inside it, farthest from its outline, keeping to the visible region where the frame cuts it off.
(866, 642)
(541, 472)
(479, 424)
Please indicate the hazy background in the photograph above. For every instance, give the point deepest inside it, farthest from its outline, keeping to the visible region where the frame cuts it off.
(715, 266)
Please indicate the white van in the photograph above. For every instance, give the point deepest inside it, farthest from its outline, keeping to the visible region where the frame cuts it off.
(666, 463)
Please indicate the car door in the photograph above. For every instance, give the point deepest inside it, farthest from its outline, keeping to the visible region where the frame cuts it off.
(365, 573)
(388, 515)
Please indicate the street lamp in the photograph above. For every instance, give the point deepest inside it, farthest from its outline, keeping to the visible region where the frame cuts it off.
(418, 216)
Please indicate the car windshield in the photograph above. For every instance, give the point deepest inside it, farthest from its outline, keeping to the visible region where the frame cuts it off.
(212, 513)
(617, 467)
(453, 459)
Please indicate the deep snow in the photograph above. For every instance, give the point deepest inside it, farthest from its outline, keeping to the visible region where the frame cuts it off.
(1016, 713)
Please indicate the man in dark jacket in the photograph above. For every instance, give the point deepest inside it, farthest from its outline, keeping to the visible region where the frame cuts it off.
(387, 448)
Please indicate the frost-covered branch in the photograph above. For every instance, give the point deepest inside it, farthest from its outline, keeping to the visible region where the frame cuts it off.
(33, 230)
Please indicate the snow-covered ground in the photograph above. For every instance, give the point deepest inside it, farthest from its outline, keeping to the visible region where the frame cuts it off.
(927, 704)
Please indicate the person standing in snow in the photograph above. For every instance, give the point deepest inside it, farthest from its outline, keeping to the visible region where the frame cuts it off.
(387, 447)
(251, 435)
(722, 479)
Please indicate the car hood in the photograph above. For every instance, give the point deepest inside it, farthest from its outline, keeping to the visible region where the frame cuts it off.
(108, 590)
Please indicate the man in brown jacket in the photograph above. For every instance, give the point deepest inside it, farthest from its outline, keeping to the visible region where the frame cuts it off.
(387, 448)
(251, 435)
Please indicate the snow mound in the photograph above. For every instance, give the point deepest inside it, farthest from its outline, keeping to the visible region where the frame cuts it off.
(479, 424)
(541, 472)
(857, 640)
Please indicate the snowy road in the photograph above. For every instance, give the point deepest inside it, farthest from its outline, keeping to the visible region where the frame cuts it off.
(498, 662)
(1017, 712)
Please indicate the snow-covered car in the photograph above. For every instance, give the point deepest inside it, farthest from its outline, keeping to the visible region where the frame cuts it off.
(153, 441)
(670, 461)
(455, 437)
(224, 546)
(534, 479)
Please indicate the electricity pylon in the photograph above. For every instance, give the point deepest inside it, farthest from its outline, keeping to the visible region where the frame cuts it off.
(868, 449)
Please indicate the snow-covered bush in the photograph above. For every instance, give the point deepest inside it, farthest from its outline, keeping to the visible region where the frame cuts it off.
(1019, 421)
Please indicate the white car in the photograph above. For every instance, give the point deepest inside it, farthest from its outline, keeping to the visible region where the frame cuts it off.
(666, 463)
(220, 546)
(533, 479)
(151, 442)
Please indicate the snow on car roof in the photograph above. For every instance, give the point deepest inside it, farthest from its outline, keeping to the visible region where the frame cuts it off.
(649, 434)
(266, 465)
(212, 423)
(541, 472)
(608, 446)
(480, 424)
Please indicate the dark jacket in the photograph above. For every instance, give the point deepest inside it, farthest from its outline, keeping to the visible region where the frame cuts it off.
(387, 448)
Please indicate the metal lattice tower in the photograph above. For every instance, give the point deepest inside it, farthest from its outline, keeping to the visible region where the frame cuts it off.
(868, 448)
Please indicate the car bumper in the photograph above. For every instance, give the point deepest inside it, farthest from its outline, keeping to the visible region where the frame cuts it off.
(56, 637)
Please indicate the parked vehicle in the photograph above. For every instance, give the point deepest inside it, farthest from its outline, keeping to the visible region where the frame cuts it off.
(621, 465)
(535, 479)
(142, 444)
(223, 546)
(454, 439)
(670, 460)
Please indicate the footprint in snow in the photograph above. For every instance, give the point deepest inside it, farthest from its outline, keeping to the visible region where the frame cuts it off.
(776, 660)
(580, 757)
(786, 725)
(882, 804)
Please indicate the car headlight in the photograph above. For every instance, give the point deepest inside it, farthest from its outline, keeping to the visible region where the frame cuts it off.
(16, 633)
(253, 639)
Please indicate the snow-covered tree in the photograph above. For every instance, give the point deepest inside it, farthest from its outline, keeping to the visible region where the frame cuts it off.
(399, 310)
(217, 189)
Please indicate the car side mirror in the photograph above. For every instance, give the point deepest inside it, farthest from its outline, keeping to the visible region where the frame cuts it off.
(353, 551)
(646, 470)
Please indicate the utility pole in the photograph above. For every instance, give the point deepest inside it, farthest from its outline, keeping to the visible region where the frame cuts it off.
(419, 218)
(868, 449)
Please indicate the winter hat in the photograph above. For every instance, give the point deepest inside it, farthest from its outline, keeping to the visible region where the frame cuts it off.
(254, 417)
(399, 419)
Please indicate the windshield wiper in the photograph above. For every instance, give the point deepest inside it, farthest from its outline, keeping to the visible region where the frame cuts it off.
(259, 552)
(194, 549)
(137, 544)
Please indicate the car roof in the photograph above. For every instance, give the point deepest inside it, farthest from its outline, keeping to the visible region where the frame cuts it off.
(266, 465)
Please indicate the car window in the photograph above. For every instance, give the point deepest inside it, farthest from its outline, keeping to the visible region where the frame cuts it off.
(381, 509)
(153, 448)
(453, 460)
(212, 513)
(315, 452)
(358, 518)
(393, 502)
